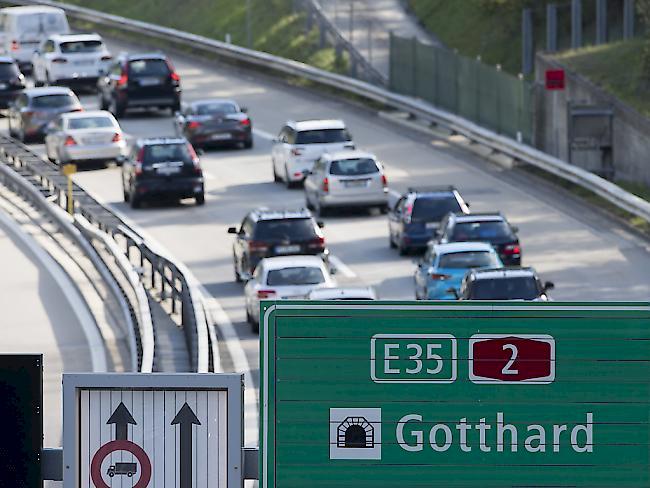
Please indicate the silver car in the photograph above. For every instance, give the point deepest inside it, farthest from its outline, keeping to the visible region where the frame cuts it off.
(346, 179)
(84, 137)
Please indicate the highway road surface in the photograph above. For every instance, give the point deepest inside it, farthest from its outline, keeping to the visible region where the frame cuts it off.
(588, 256)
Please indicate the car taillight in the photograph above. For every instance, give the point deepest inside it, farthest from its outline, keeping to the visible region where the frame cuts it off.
(256, 246)
(265, 293)
(439, 277)
(79, 109)
(384, 181)
(512, 249)
(69, 141)
(296, 151)
(194, 125)
(408, 213)
(59, 60)
(317, 243)
(172, 73)
(326, 185)
(117, 137)
(107, 57)
(15, 45)
(137, 169)
(195, 158)
(245, 122)
(124, 80)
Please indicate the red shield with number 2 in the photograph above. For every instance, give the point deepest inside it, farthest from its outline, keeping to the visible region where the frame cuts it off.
(513, 359)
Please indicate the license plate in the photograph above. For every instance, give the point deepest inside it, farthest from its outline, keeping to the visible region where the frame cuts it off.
(287, 249)
(94, 140)
(356, 183)
(149, 81)
(85, 62)
(220, 137)
(3, 86)
(432, 225)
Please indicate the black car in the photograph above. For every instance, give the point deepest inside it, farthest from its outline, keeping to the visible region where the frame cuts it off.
(215, 122)
(492, 228)
(264, 233)
(140, 80)
(162, 168)
(416, 215)
(504, 284)
(12, 81)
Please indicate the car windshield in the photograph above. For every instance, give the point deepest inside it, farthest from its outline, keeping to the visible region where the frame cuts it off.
(41, 23)
(90, 123)
(520, 288)
(148, 67)
(72, 47)
(8, 71)
(353, 167)
(469, 259)
(322, 136)
(216, 108)
(433, 209)
(494, 230)
(157, 153)
(53, 101)
(285, 230)
(302, 275)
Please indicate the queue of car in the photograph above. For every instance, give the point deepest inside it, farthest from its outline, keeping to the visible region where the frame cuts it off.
(279, 253)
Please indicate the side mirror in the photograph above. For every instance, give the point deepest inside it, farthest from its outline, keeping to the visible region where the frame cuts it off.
(246, 276)
(120, 160)
(467, 204)
(306, 172)
(333, 270)
(515, 229)
(320, 224)
(200, 151)
(549, 285)
(244, 109)
(232, 230)
(454, 292)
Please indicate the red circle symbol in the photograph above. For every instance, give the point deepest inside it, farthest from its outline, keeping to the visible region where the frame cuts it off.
(121, 445)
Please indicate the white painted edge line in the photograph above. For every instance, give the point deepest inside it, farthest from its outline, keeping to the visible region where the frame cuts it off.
(263, 134)
(76, 302)
(342, 267)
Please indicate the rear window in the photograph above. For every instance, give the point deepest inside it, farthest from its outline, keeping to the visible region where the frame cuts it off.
(323, 136)
(482, 231)
(157, 153)
(216, 108)
(465, 260)
(148, 67)
(522, 288)
(72, 47)
(41, 23)
(90, 123)
(295, 276)
(53, 101)
(353, 167)
(433, 209)
(8, 70)
(285, 230)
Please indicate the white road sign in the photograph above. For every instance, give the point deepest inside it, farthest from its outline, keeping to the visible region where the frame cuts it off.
(144, 430)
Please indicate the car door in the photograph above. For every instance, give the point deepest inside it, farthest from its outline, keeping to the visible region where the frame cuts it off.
(241, 245)
(277, 150)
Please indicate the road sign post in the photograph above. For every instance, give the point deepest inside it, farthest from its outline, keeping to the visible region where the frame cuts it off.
(148, 430)
(68, 170)
(396, 394)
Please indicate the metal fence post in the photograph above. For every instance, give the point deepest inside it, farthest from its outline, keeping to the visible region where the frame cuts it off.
(414, 66)
(628, 19)
(551, 27)
(322, 33)
(527, 41)
(249, 29)
(601, 21)
(576, 24)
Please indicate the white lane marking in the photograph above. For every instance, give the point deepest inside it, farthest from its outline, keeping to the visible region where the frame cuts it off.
(263, 134)
(342, 267)
(77, 303)
(208, 176)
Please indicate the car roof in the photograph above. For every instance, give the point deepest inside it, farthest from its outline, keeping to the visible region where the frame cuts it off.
(213, 100)
(480, 217)
(149, 141)
(7, 59)
(264, 213)
(87, 113)
(30, 9)
(431, 190)
(453, 247)
(503, 273)
(349, 292)
(147, 55)
(349, 154)
(281, 262)
(75, 37)
(48, 90)
(303, 125)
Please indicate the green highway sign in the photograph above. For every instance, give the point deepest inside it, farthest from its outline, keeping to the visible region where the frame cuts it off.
(420, 394)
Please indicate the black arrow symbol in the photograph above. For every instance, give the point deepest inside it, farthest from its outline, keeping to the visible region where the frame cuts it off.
(186, 417)
(121, 418)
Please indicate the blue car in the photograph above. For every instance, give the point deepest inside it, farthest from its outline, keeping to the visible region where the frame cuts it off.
(445, 265)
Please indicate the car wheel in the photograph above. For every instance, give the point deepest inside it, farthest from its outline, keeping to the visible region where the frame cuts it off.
(12, 133)
(391, 242)
(117, 109)
(276, 178)
(255, 326)
(403, 251)
(127, 196)
(308, 203)
(287, 181)
(238, 277)
(135, 200)
(200, 199)
(102, 103)
(20, 135)
(383, 209)
(248, 143)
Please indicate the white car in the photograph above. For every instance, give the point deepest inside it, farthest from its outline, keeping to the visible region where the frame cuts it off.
(284, 278)
(346, 179)
(76, 137)
(70, 58)
(345, 293)
(300, 144)
(22, 29)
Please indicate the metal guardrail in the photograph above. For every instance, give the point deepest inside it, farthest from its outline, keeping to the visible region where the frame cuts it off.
(509, 147)
(164, 276)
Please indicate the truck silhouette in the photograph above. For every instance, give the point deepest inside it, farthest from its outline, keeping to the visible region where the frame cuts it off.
(122, 469)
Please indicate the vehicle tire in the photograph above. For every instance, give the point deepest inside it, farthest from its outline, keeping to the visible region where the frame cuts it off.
(403, 251)
(12, 133)
(255, 326)
(288, 183)
(102, 103)
(200, 199)
(276, 178)
(20, 135)
(176, 107)
(117, 109)
(383, 209)
(135, 202)
(391, 242)
(308, 203)
(238, 278)
(248, 143)
(127, 195)
(38, 83)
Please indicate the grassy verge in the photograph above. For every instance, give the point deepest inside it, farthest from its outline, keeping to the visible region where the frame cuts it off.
(273, 26)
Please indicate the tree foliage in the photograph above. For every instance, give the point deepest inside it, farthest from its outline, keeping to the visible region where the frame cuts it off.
(643, 9)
